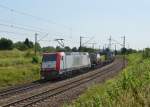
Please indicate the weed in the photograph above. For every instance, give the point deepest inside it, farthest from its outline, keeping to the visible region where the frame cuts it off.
(16, 68)
(131, 88)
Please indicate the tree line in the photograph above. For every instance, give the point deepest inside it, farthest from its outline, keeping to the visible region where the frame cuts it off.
(7, 44)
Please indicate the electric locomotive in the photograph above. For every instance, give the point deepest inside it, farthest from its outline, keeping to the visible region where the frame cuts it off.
(55, 64)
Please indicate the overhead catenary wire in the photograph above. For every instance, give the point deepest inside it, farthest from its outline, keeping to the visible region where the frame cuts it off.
(42, 37)
(17, 33)
(22, 28)
(4, 32)
(33, 16)
(117, 42)
(38, 18)
(88, 40)
(24, 25)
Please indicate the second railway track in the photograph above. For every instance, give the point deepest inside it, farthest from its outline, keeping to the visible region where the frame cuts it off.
(33, 99)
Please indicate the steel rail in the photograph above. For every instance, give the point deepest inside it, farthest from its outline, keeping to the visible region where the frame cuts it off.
(51, 92)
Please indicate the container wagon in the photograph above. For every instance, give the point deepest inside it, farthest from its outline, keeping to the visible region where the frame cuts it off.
(95, 59)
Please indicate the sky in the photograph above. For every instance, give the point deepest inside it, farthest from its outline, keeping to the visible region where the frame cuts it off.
(96, 20)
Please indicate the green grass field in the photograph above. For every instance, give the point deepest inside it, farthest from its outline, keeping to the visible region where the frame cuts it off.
(131, 88)
(16, 67)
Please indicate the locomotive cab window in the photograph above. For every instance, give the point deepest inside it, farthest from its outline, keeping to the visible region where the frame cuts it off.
(50, 57)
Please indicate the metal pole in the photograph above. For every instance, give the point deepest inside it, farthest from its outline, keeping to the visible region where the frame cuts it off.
(110, 43)
(124, 53)
(80, 41)
(35, 43)
(115, 50)
(93, 45)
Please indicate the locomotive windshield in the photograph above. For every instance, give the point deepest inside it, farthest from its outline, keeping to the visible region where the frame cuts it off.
(50, 57)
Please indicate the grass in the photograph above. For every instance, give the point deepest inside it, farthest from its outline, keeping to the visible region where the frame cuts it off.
(16, 68)
(131, 88)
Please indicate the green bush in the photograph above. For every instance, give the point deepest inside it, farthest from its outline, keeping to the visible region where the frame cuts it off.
(35, 59)
(16, 67)
(146, 53)
(28, 43)
(6, 44)
(20, 46)
(130, 89)
(14, 75)
(29, 53)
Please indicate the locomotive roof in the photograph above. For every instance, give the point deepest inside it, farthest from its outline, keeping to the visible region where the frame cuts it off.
(68, 53)
(76, 53)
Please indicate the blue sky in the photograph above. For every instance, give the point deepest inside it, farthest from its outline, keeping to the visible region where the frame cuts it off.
(70, 19)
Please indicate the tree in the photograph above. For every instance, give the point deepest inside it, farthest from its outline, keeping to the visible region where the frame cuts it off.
(123, 50)
(59, 49)
(146, 53)
(85, 49)
(67, 49)
(48, 49)
(25, 45)
(28, 43)
(74, 49)
(20, 46)
(6, 44)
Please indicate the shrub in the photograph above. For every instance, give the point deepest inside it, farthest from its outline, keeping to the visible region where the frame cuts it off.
(146, 53)
(6, 44)
(35, 59)
(28, 43)
(130, 89)
(29, 53)
(20, 46)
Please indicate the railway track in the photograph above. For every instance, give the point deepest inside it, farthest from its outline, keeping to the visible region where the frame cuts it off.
(33, 99)
(26, 87)
(20, 89)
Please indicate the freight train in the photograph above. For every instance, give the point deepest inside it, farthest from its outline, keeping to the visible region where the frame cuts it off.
(59, 63)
